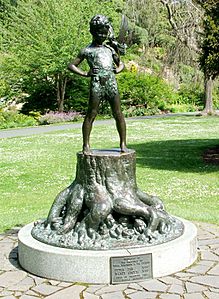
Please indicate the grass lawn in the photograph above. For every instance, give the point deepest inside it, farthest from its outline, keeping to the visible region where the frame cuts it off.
(169, 164)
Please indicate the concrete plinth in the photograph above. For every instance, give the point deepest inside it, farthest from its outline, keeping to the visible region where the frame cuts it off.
(93, 266)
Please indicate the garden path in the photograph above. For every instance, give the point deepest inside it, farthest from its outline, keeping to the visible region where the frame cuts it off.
(8, 133)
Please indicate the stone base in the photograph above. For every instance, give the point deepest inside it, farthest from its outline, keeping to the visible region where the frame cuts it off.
(93, 266)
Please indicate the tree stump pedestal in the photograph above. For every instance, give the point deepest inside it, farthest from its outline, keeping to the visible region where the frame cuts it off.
(102, 225)
(104, 209)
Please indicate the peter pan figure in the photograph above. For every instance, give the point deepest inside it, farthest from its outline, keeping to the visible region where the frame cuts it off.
(104, 63)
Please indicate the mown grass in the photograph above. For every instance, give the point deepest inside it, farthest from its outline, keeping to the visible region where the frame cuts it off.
(169, 164)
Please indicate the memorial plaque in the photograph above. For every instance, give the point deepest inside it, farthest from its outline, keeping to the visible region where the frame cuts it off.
(131, 268)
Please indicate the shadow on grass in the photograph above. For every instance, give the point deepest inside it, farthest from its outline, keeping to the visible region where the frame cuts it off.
(175, 155)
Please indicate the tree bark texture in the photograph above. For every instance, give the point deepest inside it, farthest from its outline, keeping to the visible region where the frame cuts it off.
(103, 207)
(208, 95)
(61, 82)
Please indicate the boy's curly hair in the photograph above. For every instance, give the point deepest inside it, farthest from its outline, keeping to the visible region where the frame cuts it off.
(99, 21)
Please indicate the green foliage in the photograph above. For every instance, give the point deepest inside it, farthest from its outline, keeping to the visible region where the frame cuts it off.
(4, 88)
(6, 6)
(35, 114)
(216, 95)
(10, 119)
(181, 108)
(144, 94)
(49, 33)
(209, 57)
(148, 23)
(41, 38)
(191, 94)
(77, 94)
(189, 75)
(188, 98)
(149, 91)
(133, 111)
(41, 95)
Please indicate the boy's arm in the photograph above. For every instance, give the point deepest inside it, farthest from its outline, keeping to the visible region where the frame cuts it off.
(119, 64)
(73, 66)
(120, 67)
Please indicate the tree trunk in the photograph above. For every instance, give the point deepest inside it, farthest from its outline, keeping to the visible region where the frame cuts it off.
(103, 207)
(208, 95)
(61, 82)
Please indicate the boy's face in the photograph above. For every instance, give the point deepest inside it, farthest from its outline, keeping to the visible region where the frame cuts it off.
(100, 35)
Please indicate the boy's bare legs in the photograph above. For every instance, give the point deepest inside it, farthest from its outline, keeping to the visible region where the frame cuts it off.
(120, 121)
(92, 110)
(86, 129)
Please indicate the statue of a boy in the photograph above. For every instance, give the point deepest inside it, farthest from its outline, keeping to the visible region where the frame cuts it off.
(104, 63)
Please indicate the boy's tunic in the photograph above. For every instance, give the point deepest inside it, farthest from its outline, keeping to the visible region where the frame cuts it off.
(101, 63)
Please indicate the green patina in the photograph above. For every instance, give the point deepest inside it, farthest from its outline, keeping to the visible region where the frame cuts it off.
(101, 63)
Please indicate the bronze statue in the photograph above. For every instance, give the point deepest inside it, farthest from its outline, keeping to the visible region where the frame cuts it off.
(103, 208)
(104, 62)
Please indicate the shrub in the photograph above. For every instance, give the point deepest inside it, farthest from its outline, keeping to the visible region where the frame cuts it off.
(11, 119)
(4, 88)
(133, 111)
(77, 94)
(149, 91)
(191, 95)
(57, 117)
(180, 108)
(42, 96)
(35, 114)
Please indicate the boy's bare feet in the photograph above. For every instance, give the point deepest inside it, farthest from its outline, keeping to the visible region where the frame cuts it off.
(86, 150)
(124, 149)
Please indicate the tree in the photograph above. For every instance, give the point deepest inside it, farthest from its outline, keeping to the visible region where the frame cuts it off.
(209, 57)
(184, 18)
(6, 6)
(171, 43)
(41, 37)
(148, 21)
(197, 27)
